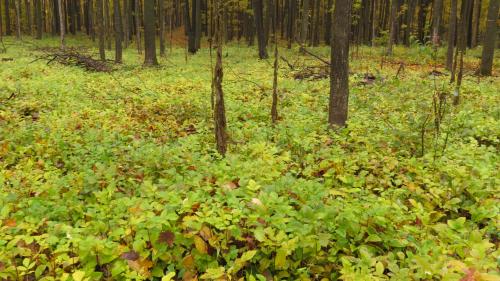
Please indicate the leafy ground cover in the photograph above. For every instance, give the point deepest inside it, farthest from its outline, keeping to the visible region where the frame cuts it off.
(115, 177)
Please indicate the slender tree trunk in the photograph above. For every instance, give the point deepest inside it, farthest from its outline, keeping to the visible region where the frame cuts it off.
(274, 106)
(393, 26)
(107, 24)
(475, 23)
(452, 31)
(161, 15)
(305, 21)
(219, 108)
(490, 37)
(8, 30)
(29, 22)
(328, 22)
(436, 21)
(292, 4)
(259, 26)
(126, 23)
(62, 26)
(461, 48)
(118, 31)
(101, 28)
(339, 66)
(18, 19)
(137, 26)
(149, 33)
(197, 24)
(38, 19)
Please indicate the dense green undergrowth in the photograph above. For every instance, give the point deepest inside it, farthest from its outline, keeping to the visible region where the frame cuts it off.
(115, 177)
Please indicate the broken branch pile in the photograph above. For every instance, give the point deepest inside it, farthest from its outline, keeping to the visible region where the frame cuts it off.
(74, 57)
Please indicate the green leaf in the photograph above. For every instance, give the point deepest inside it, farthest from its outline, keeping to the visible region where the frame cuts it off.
(280, 260)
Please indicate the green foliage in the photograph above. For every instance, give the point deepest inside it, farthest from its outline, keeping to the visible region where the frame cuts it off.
(115, 177)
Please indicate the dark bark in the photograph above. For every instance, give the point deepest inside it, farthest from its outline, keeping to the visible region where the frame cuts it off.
(452, 31)
(38, 19)
(436, 21)
(259, 26)
(305, 21)
(490, 37)
(17, 4)
(137, 26)
(118, 30)
(339, 66)
(8, 30)
(393, 19)
(274, 105)
(292, 4)
(161, 15)
(328, 21)
(107, 24)
(219, 108)
(475, 23)
(100, 27)
(149, 33)
(62, 24)
(29, 21)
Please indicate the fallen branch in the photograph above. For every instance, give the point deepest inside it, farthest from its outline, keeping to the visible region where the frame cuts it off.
(303, 49)
(74, 57)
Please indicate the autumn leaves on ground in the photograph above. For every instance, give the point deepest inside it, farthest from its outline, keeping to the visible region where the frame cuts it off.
(115, 176)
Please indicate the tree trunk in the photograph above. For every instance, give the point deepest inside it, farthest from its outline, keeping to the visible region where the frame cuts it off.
(259, 26)
(197, 24)
(328, 22)
(38, 19)
(107, 24)
(490, 37)
(436, 21)
(29, 22)
(219, 108)
(137, 26)
(101, 28)
(18, 19)
(461, 48)
(393, 21)
(118, 31)
(339, 66)
(62, 26)
(149, 33)
(305, 21)
(292, 4)
(475, 23)
(452, 31)
(274, 105)
(8, 30)
(161, 15)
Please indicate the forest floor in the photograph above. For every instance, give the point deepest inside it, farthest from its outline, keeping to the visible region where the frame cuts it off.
(114, 176)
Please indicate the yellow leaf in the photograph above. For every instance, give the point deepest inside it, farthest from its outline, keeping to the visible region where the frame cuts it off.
(379, 268)
(213, 273)
(280, 260)
(78, 275)
(200, 244)
(169, 276)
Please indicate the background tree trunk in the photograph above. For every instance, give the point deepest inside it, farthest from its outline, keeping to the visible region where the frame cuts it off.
(62, 26)
(8, 30)
(161, 15)
(118, 30)
(259, 26)
(101, 27)
(476, 13)
(38, 19)
(339, 66)
(149, 33)
(452, 30)
(137, 26)
(219, 108)
(17, 4)
(393, 21)
(305, 21)
(490, 37)
(436, 21)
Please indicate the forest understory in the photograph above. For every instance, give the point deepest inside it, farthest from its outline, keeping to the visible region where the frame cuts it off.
(113, 175)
